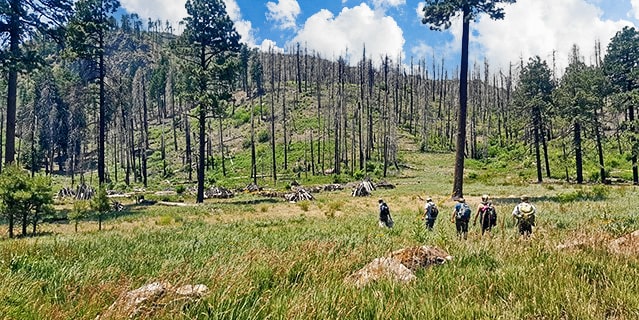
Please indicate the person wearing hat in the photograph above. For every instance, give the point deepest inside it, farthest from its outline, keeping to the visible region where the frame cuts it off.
(430, 213)
(524, 213)
(385, 219)
(461, 216)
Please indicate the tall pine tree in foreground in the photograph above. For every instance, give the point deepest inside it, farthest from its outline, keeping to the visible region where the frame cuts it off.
(211, 36)
(87, 40)
(21, 20)
(620, 66)
(438, 15)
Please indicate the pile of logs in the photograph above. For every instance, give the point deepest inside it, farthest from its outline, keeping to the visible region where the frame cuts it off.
(66, 193)
(385, 185)
(364, 188)
(333, 187)
(116, 206)
(219, 193)
(252, 188)
(271, 193)
(299, 194)
(82, 192)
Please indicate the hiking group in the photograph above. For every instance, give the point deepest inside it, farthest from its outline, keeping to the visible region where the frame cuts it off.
(524, 214)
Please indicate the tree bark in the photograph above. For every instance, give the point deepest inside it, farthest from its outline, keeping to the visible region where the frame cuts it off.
(578, 153)
(458, 183)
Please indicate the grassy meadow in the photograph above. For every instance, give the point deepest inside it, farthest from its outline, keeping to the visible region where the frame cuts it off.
(268, 259)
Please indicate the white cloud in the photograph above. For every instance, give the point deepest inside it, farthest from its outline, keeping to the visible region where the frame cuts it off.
(174, 11)
(388, 3)
(538, 27)
(349, 32)
(420, 10)
(635, 8)
(284, 12)
(268, 45)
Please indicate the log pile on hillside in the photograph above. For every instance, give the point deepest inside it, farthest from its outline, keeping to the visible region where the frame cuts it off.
(219, 193)
(84, 192)
(298, 194)
(252, 188)
(399, 266)
(81, 192)
(333, 187)
(269, 193)
(66, 192)
(385, 185)
(363, 189)
(116, 206)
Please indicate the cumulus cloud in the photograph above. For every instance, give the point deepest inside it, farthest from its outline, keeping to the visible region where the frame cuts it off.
(268, 45)
(635, 8)
(174, 11)
(388, 3)
(538, 27)
(347, 33)
(284, 12)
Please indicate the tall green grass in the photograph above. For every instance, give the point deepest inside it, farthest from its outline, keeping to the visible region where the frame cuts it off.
(284, 261)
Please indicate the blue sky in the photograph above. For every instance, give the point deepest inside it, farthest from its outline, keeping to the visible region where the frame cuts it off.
(342, 27)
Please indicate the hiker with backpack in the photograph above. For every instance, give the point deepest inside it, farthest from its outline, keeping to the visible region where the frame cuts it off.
(524, 213)
(430, 213)
(385, 218)
(487, 215)
(461, 217)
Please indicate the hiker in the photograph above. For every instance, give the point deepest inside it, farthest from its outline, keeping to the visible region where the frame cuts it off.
(461, 216)
(487, 215)
(430, 213)
(525, 212)
(385, 219)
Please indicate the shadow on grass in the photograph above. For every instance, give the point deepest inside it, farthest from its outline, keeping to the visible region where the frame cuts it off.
(560, 198)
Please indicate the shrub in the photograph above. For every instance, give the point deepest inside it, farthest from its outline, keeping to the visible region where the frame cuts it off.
(263, 136)
(24, 197)
(100, 205)
(304, 205)
(81, 209)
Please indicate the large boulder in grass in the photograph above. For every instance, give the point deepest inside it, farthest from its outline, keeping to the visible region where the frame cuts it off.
(381, 268)
(133, 303)
(399, 266)
(146, 299)
(420, 257)
(627, 245)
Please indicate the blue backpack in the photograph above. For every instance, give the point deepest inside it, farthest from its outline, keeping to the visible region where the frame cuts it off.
(463, 212)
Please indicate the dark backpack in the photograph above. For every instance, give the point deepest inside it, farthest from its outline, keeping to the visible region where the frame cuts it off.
(463, 212)
(434, 211)
(489, 213)
(384, 211)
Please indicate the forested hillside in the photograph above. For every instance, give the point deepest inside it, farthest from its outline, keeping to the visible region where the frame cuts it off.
(136, 108)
